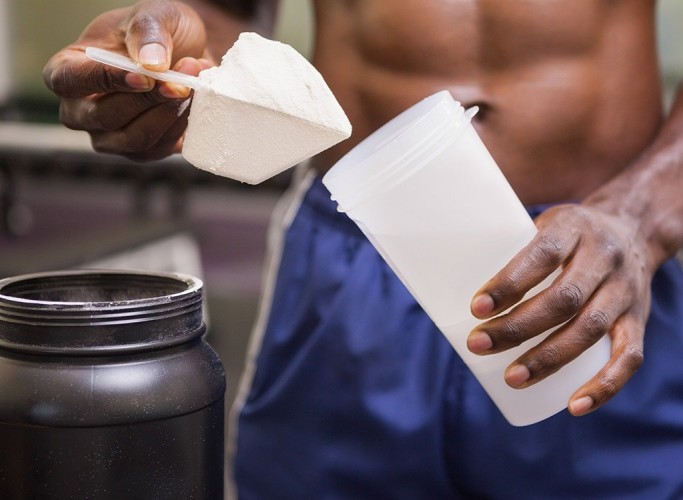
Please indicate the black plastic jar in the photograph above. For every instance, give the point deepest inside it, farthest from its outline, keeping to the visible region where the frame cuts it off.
(108, 389)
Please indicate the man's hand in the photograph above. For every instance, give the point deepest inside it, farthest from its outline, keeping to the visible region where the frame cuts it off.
(126, 113)
(604, 288)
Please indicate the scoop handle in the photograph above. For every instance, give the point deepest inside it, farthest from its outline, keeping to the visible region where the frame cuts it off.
(126, 63)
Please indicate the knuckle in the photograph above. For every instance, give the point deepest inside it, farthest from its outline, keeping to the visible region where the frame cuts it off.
(505, 290)
(50, 78)
(47, 73)
(610, 386)
(567, 299)
(548, 251)
(506, 287)
(94, 118)
(511, 333)
(66, 116)
(73, 115)
(547, 361)
(633, 358)
(107, 76)
(595, 322)
(143, 23)
(57, 80)
(614, 252)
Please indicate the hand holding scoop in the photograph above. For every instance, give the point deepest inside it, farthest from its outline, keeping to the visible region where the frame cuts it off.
(263, 110)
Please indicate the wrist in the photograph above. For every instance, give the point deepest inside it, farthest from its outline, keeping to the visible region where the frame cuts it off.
(646, 197)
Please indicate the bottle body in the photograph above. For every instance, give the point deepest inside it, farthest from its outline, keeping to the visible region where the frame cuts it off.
(431, 199)
(109, 390)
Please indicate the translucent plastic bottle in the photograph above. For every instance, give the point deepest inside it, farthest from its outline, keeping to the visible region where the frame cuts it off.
(428, 195)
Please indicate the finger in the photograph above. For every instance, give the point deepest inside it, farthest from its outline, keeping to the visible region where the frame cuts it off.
(148, 38)
(547, 251)
(160, 32)
(205, 63)
(108, 112)
(555, 305)
(70, 74)
(571, 340)
(156, 131)
(627, 357)
(171, 142)
(187, 65)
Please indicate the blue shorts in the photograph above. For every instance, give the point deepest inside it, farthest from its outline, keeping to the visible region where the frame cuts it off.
(352, 393)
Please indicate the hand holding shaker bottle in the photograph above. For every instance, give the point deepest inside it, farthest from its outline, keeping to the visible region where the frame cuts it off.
(415, 188)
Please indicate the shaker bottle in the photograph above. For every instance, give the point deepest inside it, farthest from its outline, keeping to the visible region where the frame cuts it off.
(107, 388)
(430, 198)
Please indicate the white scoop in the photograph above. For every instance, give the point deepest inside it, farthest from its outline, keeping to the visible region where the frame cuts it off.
(126, 63)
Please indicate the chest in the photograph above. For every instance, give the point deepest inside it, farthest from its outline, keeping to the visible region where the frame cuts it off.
(477, 33)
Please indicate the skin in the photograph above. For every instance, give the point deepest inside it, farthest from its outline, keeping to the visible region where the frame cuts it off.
(570, 95)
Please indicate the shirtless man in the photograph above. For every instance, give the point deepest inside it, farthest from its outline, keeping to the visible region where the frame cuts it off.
(350, 391)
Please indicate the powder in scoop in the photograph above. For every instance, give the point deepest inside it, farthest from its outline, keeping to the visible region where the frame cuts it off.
(263, 110)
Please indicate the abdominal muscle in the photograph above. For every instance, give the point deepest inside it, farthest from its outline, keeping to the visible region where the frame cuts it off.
(569, 94)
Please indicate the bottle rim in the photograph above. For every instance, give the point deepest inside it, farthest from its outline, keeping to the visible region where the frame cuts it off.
(397, 149)
(92, 311)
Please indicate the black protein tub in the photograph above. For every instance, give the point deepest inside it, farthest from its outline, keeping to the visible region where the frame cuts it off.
(107, 388)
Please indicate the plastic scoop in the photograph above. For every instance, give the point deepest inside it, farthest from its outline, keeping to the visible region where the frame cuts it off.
(126, 63)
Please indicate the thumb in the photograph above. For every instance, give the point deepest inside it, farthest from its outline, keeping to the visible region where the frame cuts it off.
(158, 33)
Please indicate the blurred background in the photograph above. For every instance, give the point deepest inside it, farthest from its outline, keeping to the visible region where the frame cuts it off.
(63, 206)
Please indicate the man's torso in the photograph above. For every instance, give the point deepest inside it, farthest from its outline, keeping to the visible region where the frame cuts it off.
(569, 91)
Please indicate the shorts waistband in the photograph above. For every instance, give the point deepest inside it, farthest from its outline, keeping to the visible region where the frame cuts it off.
(318, 201)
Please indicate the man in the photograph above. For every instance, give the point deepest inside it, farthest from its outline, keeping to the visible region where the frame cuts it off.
(350, 391)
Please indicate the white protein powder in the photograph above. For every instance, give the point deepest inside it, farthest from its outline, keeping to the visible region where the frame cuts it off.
(263, 110)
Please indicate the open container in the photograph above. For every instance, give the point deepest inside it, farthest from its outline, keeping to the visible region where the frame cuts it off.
(108, 388)
(397, 150)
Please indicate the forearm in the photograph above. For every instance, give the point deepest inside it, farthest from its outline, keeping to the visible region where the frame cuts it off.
(225, 20)
(650, 191)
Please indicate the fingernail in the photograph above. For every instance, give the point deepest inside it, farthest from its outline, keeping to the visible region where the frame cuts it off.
(137, 81)
(188, 66)
(482, 305)
(516, 375)
(479, 341)
(581, 405)
(152, 54)
(173, 91)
